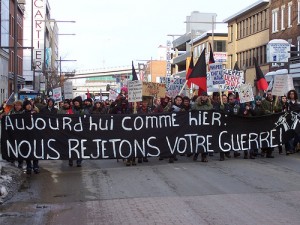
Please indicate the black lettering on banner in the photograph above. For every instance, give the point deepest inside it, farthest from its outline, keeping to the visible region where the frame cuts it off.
(46, 137)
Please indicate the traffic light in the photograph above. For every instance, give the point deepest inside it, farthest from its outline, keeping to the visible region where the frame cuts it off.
(107, 87)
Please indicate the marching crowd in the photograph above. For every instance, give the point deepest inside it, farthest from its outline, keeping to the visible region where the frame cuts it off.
(229, 104)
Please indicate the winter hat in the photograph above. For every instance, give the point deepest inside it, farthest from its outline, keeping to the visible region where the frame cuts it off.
(25, 103)
(89, 100)
(77, 99)
(124, 89)
(50, 99)
(67, 101)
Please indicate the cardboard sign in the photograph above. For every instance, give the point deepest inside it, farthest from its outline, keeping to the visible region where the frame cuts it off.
(154, 89)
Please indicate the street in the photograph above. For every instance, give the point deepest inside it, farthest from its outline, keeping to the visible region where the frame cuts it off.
(236, 191)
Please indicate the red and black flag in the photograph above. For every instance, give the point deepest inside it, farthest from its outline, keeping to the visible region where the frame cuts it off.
(191, 67)
(211, 55)
(261, 81)
(134, 75)
(198, 74)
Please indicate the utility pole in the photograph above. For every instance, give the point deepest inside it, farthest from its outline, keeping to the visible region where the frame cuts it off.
(15, 59)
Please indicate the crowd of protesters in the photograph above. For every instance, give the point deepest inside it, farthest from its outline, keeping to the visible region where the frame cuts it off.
(226, 103)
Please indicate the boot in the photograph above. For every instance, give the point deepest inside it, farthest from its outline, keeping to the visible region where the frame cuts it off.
(133, 162)
(140, 160)
(255, 152)
(280, 149)
(204, 157)
(70, 162)
(227, 154)
(195, 157)
(128, 162)
(145, 159)
(236, 154)
(269, 153)
(252, 154)
(245, 154)
(222, 156)
(171, 160)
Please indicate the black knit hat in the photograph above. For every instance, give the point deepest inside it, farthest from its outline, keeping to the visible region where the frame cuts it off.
(67, 101)
(25, 103)
(77, 99)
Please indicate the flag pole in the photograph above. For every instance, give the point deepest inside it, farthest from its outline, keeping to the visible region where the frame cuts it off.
(221, 99)
(183, 87)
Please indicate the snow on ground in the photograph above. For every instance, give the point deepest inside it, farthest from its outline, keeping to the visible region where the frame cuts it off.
(10, 180)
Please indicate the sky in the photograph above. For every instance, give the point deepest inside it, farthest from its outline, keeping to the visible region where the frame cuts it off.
(112, 33)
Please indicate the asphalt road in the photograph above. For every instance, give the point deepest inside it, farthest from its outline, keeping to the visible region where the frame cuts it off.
(236, 191)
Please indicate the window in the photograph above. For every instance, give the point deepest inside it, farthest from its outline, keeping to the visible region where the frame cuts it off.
(263, 15)
(274, 20)
(254, 23)
(282, 17)
(220, 46)
(290, 14)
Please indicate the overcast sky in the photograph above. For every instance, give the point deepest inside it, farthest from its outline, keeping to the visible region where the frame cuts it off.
(111, 33)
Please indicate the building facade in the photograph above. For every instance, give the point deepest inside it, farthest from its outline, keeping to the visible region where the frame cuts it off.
(285, 24)
(197, 24)
(19, 41)
(4, 52)
(248, 36)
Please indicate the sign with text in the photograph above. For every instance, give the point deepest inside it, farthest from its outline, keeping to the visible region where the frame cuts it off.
(246, 93)
(53, 137)
(135, 90)
(38, 33)
(282, 84)
(113, 94)
(220, 56)
(278, 51)
(57, 96)
(216, 73)
(233, 80)
(68, 90)
(156, 90)
(174, 86)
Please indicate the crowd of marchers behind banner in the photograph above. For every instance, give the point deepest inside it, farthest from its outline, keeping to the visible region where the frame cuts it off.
(226, 103)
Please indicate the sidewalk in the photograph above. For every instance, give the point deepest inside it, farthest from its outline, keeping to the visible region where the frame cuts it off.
(10, 180)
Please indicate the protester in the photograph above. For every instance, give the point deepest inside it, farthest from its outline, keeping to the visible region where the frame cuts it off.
(77, 109)
(294, 105)
(177, 106)
(144, 109)
(269, 107)
(186, 105)
(98, 108)
(49, 108)
(66, 108)
(232, 107)
(30, 164)
(203, 102)
(216, 102)
(88, 106)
